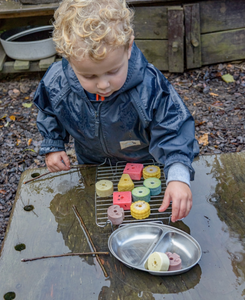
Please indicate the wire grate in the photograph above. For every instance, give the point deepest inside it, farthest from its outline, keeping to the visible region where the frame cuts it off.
(114, 173)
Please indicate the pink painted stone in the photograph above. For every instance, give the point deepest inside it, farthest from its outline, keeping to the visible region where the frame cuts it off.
(174, 261)
(115, 214)
(123, 199)
(134, 170)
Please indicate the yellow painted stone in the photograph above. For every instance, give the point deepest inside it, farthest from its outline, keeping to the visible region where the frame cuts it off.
(140, 210)
(151, 171)
(125, 183)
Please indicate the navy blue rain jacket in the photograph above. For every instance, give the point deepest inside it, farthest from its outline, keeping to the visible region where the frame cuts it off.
(145, 119)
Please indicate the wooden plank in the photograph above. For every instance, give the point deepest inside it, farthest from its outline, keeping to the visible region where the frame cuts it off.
(21, 65)
(46, 62)
(222, 15)
(16, 9)
(8, 67)
(156, 52)
(175, 39)
(2, 57)
(192, 36)
(223, 46)
(151, 23)
(26, 14)
(9, 23)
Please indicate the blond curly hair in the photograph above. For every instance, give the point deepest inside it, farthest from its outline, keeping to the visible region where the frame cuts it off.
(91, 28)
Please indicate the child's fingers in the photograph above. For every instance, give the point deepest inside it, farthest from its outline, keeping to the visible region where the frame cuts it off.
(165, 203)
(57, 161)
(175, 211)
(66, 160)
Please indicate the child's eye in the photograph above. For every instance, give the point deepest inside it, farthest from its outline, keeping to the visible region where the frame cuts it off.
(113, 72)
(89, 76)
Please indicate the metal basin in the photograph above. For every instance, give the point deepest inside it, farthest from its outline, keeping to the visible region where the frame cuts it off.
(29, 43)
(132, 245)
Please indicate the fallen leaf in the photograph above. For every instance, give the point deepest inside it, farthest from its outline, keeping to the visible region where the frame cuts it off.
(213, 94)
(18, 142)
(197, 123)
(28, 105)
(2, 166)
(217, 103)
(3, 117)
(29, 142)
(12, 118)
(228, 78)
(203, 139)
(3, 192)
(29, 150)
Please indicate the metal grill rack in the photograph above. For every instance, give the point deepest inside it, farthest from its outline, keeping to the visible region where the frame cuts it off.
(114, 173)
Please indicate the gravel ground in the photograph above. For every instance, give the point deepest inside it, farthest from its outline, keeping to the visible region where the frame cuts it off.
(217, 107)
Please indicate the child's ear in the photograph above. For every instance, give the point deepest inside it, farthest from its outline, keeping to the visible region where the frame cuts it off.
(130, 46)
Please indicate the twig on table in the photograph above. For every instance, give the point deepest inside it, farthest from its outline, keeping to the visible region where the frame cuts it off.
(89, 238)
(72, 167)
(66, 254)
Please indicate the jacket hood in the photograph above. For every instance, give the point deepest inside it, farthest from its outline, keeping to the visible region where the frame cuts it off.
(136, 70)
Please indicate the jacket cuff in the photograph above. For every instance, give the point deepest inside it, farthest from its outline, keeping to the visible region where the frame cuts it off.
(179, 158)
(179, 172)
(49, 145)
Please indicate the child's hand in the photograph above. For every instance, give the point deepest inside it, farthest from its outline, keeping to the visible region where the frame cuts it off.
(180, 195)
(57, 161)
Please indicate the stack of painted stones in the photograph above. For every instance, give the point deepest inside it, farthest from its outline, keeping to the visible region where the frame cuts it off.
(129, 197)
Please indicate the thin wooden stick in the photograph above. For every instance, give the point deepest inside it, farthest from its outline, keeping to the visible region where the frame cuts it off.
(72, 167)
(89, 238)
(66, 254)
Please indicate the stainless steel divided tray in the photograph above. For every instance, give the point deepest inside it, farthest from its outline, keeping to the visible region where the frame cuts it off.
(132, 244)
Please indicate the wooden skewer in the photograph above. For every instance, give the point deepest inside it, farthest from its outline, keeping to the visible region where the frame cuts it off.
(66, 254)
(72, 167)
(89, 238)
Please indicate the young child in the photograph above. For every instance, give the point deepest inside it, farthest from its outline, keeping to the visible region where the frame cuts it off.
(113, 103)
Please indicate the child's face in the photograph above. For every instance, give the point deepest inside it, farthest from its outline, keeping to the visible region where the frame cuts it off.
(106, 76)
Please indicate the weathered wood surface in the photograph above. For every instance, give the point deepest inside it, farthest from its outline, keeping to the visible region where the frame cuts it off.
(12, 9)
(34, 66)
(222, 15)
(2, 57)
(151, 23)
(213, 30)
(175, 39)
(223, 46)
(21, 65)
(216, 221)
(192, 36)
(46, 62)
(155, 51)
(10, 23)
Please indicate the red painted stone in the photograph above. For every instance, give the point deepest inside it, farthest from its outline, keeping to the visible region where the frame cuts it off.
(134, 170)
(123, 199)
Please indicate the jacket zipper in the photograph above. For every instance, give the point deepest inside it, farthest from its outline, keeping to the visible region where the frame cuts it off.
(97, 130)
(97, 123)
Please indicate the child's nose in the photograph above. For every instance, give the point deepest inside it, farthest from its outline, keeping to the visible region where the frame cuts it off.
(103, 84)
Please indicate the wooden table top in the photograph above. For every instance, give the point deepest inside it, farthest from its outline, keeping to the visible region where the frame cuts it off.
(216, 221)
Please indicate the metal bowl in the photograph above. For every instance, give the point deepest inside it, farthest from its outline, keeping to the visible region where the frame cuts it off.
(29, 43)
(132, 244)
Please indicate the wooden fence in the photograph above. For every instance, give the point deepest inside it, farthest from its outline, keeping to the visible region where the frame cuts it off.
(173, 35)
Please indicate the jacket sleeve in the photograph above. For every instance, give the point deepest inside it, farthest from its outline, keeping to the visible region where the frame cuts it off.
(54, 133)
(172, 131)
